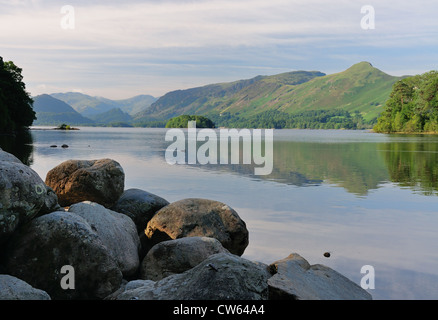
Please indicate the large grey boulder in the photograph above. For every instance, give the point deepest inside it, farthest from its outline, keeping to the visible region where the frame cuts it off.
(140, 206)
(39, 250)
(176, 256)
(222, 276)
(6, 156)
(23, 195)
(199, 217)
(117, 232)
(296, 279)
(12, 288)
(101, 181)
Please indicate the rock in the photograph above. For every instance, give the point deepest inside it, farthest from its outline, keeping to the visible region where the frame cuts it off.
(101, 181)
(176, 256)
(234, 278)
(12, 288)
(64, 146)
(5, 156)
(23, 195)
(117, 232)
(199, 217)
(53, 146)
(140, 206)
(296, 279)
(38, 251)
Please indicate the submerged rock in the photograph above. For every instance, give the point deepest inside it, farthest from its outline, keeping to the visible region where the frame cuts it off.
(101, 181)
(222, 276)
(296, 279)
(199, 217)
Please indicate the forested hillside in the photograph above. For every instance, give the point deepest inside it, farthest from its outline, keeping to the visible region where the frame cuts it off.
(412, 106)
(15, 103)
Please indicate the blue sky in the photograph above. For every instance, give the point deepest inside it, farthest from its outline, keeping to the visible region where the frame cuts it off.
(119, 49)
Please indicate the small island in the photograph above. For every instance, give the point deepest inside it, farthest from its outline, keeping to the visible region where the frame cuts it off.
(65, 127)
(183, 120)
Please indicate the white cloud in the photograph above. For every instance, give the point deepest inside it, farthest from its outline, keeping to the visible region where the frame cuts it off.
(273, 35)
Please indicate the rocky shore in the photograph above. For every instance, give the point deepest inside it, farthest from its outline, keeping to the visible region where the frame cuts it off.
(119, 244)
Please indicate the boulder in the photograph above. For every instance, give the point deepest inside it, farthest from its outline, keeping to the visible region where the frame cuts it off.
(222, 276)
(6, 156)
(39, 250)
(176, 256)
(12, 288)
(199, 217)
(117, 232)
(101, 181)
(296, 279)
(140, 206)
(23, 195)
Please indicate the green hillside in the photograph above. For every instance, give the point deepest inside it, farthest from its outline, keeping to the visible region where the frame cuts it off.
(217, 98)
(51, 111)
(90, 106)
(360, 90)
(112, 116)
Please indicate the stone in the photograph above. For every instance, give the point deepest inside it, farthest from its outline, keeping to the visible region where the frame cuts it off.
(232, 278)
(101, 181)
(140, 206)
(12, 288)
(39, 250)
(199, 217)
(296, 279)
(23, 195)
(117, 232)
(177, 256)
(6, 156)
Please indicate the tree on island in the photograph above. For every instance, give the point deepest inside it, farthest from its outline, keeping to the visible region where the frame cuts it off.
(16, 110)
(183, 120)
(412, 106)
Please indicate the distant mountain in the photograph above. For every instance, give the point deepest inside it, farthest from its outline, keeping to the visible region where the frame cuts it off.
(112, 116)
(51, 111)
(361, 88)
(218, 98)
(88, 105)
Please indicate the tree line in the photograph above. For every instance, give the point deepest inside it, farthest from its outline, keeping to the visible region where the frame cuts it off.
(16, 110)
(412, 106)
(311, 119)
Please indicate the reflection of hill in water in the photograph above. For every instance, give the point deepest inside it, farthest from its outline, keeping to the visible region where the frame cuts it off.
(357, 167)
(413, 164)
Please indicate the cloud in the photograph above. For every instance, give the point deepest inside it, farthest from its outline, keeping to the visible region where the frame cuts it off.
(171, 39)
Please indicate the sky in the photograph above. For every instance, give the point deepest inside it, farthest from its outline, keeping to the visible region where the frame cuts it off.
(120, 49)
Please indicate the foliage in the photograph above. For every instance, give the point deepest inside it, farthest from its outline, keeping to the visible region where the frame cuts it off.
(182, 122)
(15, 103)
(312, 119)
(412, 106)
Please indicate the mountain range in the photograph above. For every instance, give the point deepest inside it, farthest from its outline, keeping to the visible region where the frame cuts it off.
(361, 88)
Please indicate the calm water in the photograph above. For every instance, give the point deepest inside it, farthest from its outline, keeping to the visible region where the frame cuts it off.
(368, 199)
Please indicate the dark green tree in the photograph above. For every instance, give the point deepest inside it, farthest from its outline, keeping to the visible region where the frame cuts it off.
(16, 110)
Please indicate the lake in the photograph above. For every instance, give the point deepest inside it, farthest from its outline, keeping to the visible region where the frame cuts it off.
(367, 198)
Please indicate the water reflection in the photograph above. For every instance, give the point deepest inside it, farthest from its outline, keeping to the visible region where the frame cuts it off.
(20, 145)
(356, 161)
